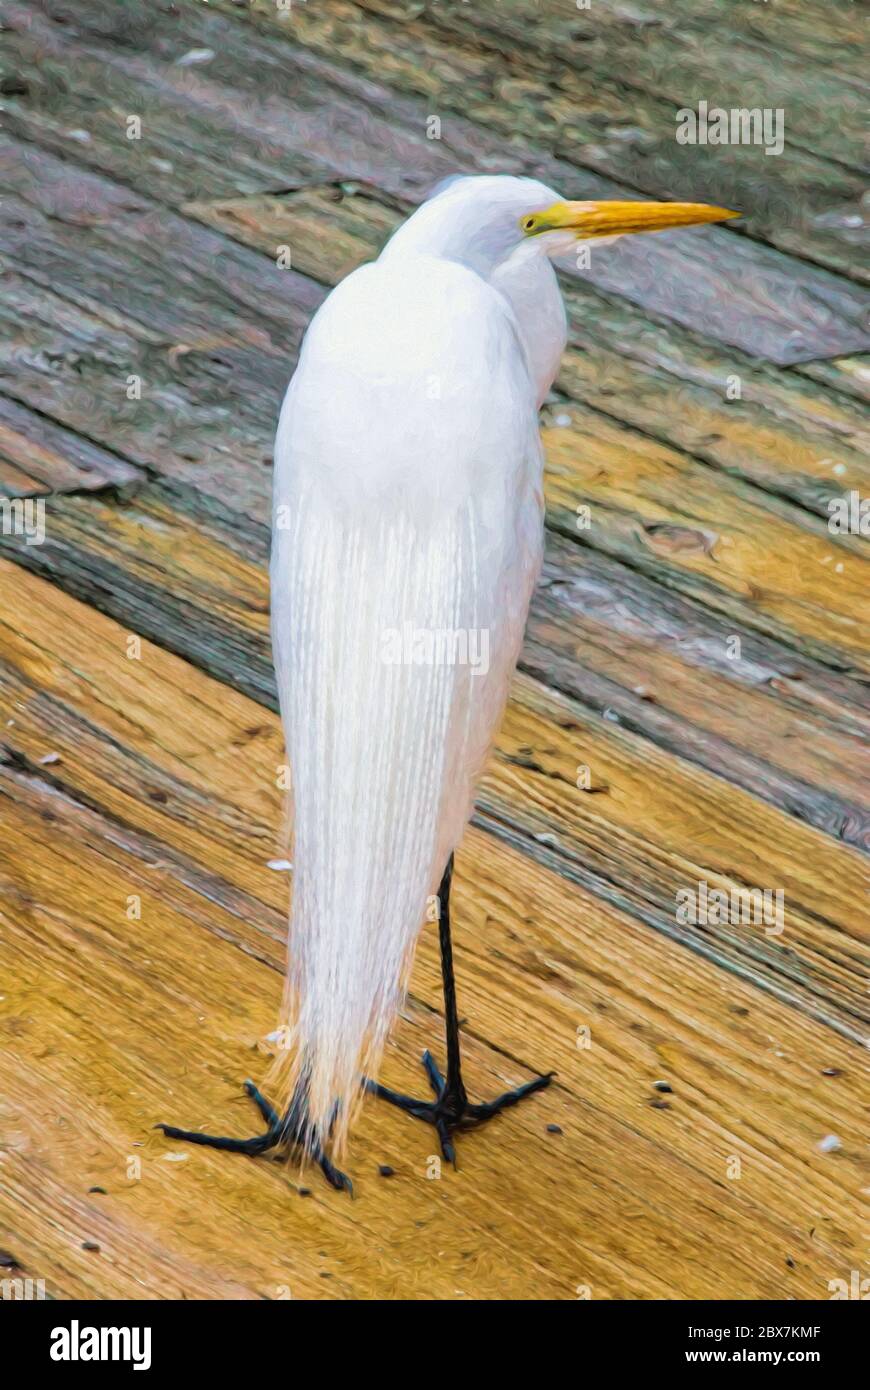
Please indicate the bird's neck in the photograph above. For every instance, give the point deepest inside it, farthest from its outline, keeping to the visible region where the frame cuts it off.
(528, 282)
(519, 270)
(456, 234)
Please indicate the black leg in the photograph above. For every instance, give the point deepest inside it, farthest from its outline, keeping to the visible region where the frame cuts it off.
(281, 1133)
(453, 1091)
(451, 1109)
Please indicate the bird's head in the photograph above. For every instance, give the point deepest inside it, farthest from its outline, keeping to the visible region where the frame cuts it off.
(482, 220)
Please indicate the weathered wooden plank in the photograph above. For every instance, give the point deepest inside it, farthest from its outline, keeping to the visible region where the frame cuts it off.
(784, 433)
(779, 432)
(192, 313)
(657, 826)
(189, 573)
(675, 52)
(800, 203)
(766, 565)
(358, 225)
(742, 292)
(259, 310)
(849, 374)
(668, 668)
(111, 1021)
(642, 840)
(107, 245)
(37, 456)
(207, 410)
(184, 150)
(825, 32)
(147, 1018)
(173, 565)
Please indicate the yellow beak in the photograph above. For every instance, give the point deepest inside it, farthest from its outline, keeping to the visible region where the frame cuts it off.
(589, 220)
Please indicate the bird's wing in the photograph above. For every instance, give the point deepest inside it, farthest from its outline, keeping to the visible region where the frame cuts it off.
(406, 544)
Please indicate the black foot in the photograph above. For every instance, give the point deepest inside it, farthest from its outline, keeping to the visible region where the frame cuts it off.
(450, 1111)
(281, 1133)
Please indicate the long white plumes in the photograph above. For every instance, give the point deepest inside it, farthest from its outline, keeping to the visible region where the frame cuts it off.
(383, 752)
(406, 542)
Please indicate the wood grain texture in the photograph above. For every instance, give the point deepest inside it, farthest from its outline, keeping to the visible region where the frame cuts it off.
(806, 203)
(186, 991)
(659, 825)
(187, 572)
(38, 458)
(818, 589)
(744, 553)
(321, 118)
(675, 51)
(690, 707)
(785, 433)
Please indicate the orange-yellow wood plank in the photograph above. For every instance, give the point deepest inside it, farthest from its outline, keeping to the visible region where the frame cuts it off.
(652, 825)
(112, 1024)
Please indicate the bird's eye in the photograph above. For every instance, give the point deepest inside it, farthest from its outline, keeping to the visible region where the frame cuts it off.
(528, 224)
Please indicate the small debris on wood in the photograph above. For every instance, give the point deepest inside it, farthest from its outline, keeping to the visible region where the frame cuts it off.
(662, 1086)
(48, 758)
(194, 56)
(101, 1190)
(91, 1245)
(8, 1261)
(555, 1129)
(385, 1170)
(831, 1071)
(673, 540)
(830, 1144)
(279, 865)
(789, 1261)
(304, 1191)
(660, 1104)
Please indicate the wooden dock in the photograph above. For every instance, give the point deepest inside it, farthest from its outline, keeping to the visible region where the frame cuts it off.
(690, 708)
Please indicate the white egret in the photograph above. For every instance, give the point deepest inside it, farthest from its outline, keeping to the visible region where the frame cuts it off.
(407, 540)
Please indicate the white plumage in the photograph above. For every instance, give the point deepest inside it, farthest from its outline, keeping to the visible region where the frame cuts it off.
(407, 540)
(406, 545)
